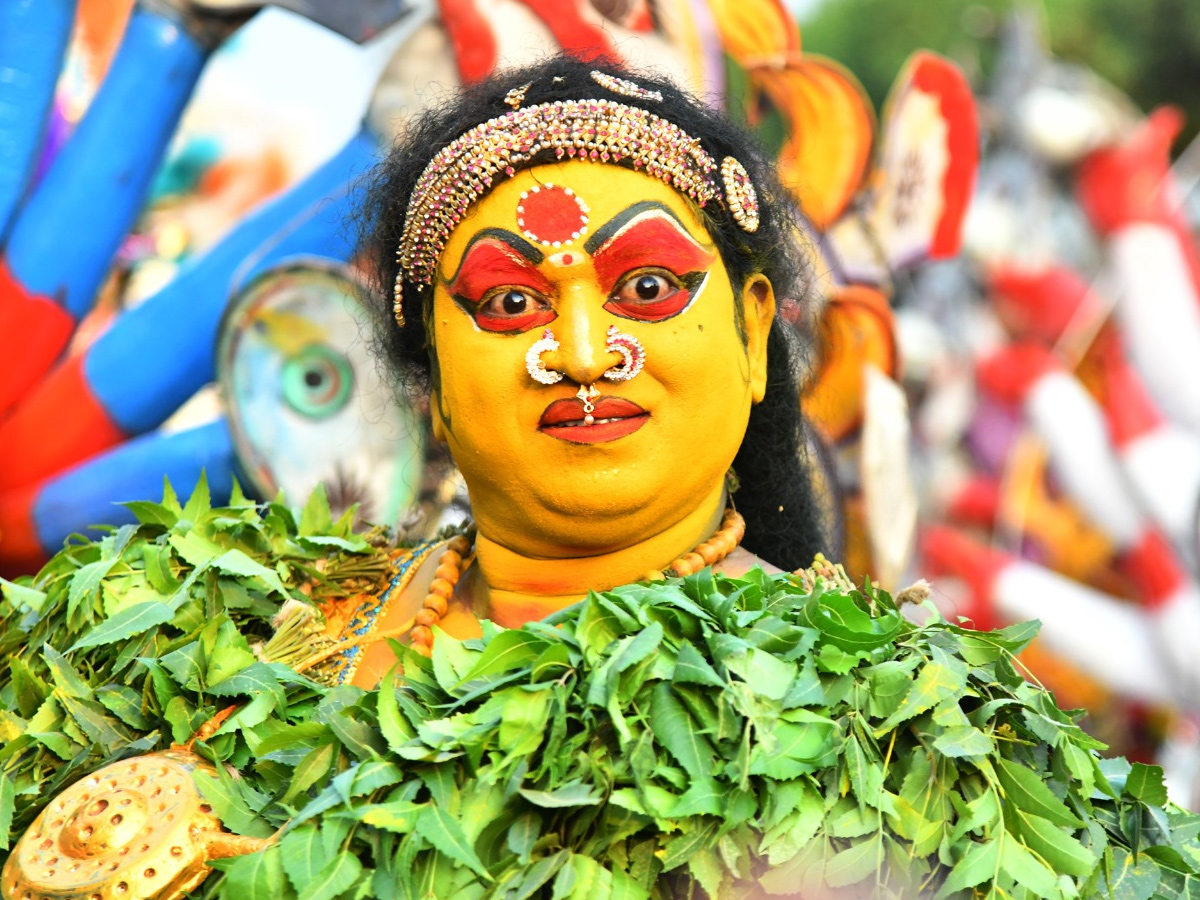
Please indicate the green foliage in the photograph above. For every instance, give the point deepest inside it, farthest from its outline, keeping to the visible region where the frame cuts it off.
(654, 741)
(1150, 50)
(121, 645)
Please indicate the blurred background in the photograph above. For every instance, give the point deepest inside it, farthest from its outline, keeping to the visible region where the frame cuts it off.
(1005, 309)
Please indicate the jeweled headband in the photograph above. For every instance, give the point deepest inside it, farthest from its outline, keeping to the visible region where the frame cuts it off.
(599, 130)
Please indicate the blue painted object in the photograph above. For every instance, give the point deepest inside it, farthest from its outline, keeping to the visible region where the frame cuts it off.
(89, 493)
(33, 39)
(159, 354)
(62, 245)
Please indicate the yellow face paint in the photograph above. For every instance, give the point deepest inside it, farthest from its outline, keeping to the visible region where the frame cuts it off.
(575, 248)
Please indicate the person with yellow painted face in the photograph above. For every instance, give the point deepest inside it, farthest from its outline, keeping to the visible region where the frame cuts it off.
(584, 275)
(582, 267)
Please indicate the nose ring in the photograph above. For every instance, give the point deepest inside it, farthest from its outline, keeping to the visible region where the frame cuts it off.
(633, 355)
(536, 366)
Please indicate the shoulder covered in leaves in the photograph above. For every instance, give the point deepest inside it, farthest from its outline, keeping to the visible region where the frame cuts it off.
(728, 737)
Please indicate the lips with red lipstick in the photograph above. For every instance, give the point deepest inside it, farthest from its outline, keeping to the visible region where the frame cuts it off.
(612, 418)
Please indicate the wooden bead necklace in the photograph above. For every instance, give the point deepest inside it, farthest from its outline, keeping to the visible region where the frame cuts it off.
(450, 568)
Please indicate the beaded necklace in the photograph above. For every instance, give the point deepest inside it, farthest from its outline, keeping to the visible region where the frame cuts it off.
(450, 569)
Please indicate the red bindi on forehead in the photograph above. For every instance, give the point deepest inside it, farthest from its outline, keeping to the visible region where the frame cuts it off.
(552, 215)
(650, 241)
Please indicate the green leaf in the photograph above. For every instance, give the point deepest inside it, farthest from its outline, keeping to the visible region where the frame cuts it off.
(1145, 783)
(228, 803)
(311, 769)
(889, 681)
(124, 703)
(523, 721)
(443, 831)
(303, 854)
(152, 513)
(1024, 790)
(258, 876)
(7, 807)
(702, 798)
(865, 771)
(131, 621)
(393, 726)
(674, 729)
(1132, 878)
(848, 627)
(937, 682)
(1015, 638)
(235, 562)
(316, 517)
(573, 793)
(522, 835)
(963, 741)
(852, 865)
(337, 875)
(1052, 844)
(539, 873)
(200, 502)
(451, 661)
(252, 681)
(512, 649)
(22, 597)
(366, 777)
(66, 679)
(692, 668)
(1028, 870)
(980, 863)
(399, 816)
(765, 673)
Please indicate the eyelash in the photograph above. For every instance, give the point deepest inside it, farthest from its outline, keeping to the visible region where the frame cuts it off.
(656, 310)
(682, 290)
(513, 323)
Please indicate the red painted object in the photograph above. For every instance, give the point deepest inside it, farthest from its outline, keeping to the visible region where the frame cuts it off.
(59, 424)
(34, 331)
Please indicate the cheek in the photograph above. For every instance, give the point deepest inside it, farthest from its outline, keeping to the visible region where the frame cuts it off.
(699, 352)
(482, 374)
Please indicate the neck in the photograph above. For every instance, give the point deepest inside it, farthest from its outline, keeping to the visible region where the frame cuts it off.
(511, 588)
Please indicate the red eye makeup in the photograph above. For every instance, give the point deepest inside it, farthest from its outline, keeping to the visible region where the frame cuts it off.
(501, 289)
(652, 269)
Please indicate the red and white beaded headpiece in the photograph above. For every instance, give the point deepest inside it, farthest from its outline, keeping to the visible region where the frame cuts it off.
(596, 130)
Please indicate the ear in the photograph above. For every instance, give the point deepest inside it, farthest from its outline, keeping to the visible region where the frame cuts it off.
(758, 306)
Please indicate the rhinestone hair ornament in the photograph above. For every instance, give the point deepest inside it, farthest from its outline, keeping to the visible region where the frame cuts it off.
(596, 130)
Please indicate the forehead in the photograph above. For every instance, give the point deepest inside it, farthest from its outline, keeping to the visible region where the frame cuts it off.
(598, 193)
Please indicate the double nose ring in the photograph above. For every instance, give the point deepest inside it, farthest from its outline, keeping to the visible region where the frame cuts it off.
(633, 358)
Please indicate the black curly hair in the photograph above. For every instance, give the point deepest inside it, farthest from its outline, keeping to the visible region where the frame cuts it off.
(785, 523)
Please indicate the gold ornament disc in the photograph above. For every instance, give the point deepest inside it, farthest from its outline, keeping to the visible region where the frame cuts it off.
(134, 830)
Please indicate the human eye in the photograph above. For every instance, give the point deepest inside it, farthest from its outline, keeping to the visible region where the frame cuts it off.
(649, 295)
(513, 309)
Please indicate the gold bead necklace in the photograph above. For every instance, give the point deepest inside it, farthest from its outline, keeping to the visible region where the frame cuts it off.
(450, 569)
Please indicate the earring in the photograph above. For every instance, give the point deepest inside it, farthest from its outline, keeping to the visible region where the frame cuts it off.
(632, 353)
(533, 360)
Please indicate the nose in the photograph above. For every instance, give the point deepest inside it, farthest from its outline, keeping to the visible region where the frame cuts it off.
(581, 331)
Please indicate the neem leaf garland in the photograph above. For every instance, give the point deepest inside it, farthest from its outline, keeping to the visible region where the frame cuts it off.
(692, 737)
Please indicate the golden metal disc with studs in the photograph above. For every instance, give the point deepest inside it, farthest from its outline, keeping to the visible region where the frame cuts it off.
(134, 830)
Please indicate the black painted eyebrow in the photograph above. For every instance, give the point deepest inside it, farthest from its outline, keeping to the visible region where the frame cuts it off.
(605, 232)
(516, 242)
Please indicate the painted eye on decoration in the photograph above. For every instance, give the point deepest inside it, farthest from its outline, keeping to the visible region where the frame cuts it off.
(652, 295)
(513, 309)
(317, 381)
